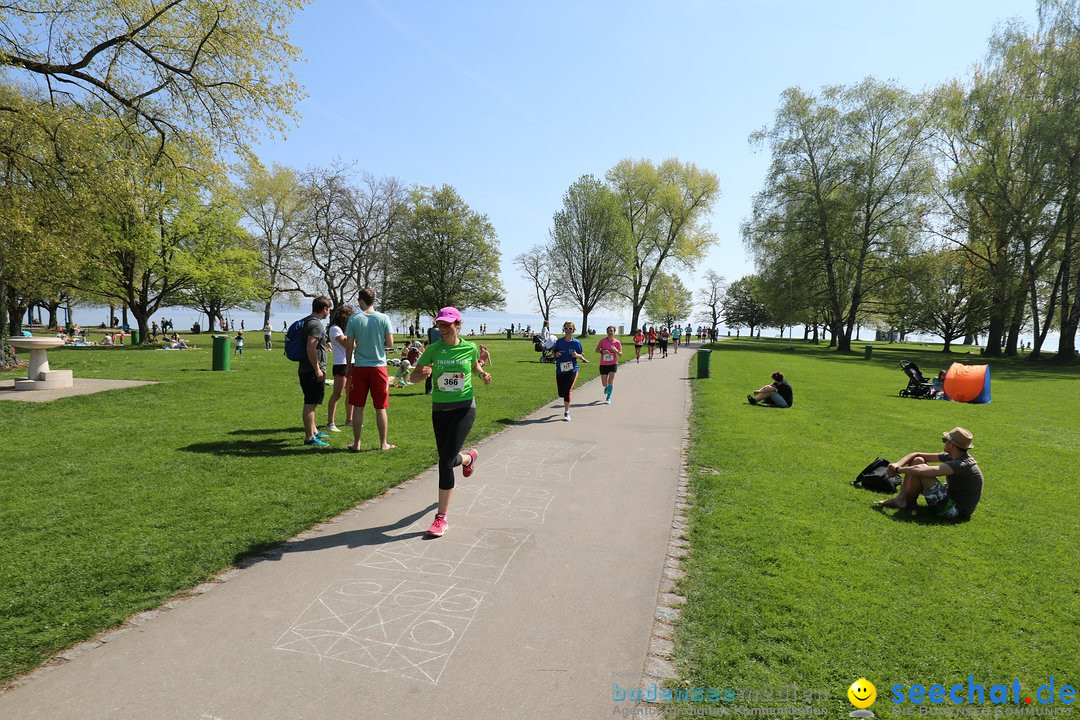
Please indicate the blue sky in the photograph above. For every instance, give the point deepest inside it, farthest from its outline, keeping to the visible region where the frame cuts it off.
(511, 102)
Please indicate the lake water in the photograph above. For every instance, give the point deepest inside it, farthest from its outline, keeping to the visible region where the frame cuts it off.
(281, 314)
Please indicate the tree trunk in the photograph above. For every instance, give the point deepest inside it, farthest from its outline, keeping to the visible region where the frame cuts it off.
(1070, 289)
(584, 323)
(142, 320)
(16, 310)
(266, 313)
(7, 353)
(1015, 325)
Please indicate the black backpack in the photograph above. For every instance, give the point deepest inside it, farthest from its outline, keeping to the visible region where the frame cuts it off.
(295, 347)
(875, 477)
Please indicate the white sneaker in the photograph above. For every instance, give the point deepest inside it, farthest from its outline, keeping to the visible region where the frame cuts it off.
(608, 401)
(333, 428)
(566, 417)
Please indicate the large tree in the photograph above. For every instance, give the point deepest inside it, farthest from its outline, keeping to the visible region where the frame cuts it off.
(846, 191)
(326, 233)
(949, 296)
(1000, 191)
(665, 208)
(589, 243)
(224, 265)
(180, 69)
(149, 217)
(49, 187)
(669, 302)
(743, 304)
(1059, 57)
(273, 202)
(711, 297)
(447, 255)
(536, 266)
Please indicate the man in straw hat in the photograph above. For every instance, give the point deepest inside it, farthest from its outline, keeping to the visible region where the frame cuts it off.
(958, 499)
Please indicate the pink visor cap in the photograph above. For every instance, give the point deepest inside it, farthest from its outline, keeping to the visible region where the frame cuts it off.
(449, 314)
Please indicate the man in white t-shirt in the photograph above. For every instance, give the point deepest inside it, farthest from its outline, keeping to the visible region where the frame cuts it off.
(367, 336)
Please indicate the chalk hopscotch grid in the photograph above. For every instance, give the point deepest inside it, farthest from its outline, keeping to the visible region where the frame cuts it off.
(407, 627)
(542, 461)
(485, 558)
(519, 503)
(413, 627)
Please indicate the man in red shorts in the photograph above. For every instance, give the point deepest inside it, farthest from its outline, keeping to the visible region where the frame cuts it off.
(367, 336)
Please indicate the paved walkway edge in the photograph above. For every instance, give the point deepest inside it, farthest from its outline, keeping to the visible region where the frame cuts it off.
(659, 668)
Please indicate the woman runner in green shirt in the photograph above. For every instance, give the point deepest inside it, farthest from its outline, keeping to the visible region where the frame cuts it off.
(450, 362)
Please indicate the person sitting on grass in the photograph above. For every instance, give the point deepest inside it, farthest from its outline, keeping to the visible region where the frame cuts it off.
(402, 378)
(777, 394)
(938, 384)
(954, 501)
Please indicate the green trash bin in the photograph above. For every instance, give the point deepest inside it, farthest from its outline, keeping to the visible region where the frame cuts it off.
(703, 357)
(868, 351)
(135, 337)
(221, 352)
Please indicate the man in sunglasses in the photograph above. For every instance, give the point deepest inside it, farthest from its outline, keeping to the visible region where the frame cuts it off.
(954, 501)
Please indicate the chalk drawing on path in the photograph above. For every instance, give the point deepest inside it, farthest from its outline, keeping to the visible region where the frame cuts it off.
(523, 461)
(509, 502)
(468, 553)
(406, 627)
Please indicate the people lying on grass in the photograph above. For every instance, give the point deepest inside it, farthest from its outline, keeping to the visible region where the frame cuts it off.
(954, 500)
(776, 394)
(175, 342)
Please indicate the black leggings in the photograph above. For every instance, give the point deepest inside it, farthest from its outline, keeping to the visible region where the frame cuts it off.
(565, 383)
(451, 428)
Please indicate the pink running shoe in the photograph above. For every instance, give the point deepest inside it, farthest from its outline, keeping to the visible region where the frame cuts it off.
(439, 526)
(467, 470)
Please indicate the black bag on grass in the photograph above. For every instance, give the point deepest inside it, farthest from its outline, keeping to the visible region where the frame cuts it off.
(875, 476)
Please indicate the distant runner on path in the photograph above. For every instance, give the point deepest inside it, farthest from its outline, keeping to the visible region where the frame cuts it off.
(610, 351)
(676, 333)
(639, 340)
(450, 362)
(567, 352)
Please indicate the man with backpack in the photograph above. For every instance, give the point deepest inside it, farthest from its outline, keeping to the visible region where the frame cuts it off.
(304, 344)
(955, 500)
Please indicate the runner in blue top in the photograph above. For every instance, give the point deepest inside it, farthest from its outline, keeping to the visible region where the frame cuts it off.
(567, 352)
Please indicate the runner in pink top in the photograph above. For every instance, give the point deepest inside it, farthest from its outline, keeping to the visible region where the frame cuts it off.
(610, 350)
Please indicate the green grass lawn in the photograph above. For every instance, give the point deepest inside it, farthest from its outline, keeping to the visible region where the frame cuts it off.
(111, 503)
(793, 579)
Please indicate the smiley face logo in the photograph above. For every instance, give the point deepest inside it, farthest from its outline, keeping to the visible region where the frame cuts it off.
(862, 693)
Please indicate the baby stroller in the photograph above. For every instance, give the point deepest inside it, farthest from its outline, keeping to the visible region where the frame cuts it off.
(918, 386)
(547, 354)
